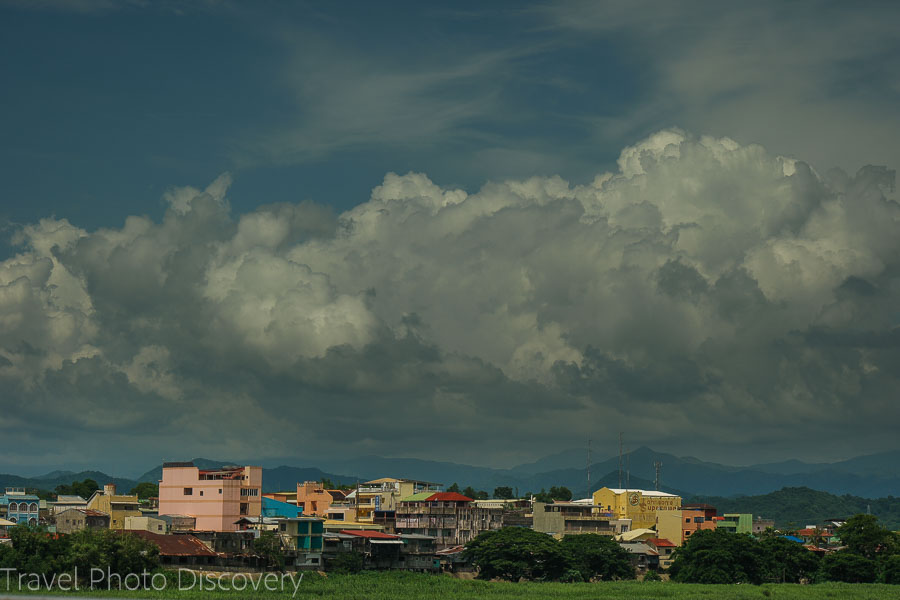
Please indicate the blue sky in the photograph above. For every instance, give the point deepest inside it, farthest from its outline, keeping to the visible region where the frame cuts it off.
(545, 213)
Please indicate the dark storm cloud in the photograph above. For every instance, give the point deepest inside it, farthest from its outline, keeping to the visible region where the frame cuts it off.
(702, 285)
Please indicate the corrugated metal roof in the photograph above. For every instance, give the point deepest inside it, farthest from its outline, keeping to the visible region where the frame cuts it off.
(448, 497)
(366, 533)
(176, 545)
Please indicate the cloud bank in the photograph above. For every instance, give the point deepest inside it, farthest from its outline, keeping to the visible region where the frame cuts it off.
(706, 297)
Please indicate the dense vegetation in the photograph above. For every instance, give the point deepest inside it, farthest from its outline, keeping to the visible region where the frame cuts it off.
(33, 550)
(516, 553)
(871, 553)
(801, 506)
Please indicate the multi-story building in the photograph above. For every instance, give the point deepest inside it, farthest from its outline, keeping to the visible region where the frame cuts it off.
(567, 518)
(451, 518)
(696, 517)
(383, 495)
(736, 523)
(313, 498)
(643, 507)
(216, 498)
(305, 537)
(76, 519)
(760, 525)
(117, 506)
(20, 506)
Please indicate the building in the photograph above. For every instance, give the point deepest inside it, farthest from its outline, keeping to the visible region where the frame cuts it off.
(643, 557)
(276, 508)
(21, 508)
(182, 550)
(216, 498)
(178, 523)
(117, 506)
(451, 518)
(565, 518)
(760, 525)
(313, 499)
(736, 523)
(696, 517)
(147, 523)
(4, 528)
(383, 495)
(664, 548)
(305, 537)
(77, 519)
(643, 507)
(64, 502)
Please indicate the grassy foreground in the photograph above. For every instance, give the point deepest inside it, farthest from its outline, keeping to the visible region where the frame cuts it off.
(389, 586)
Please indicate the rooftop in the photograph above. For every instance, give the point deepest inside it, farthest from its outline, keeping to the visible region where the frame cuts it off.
(176, 545)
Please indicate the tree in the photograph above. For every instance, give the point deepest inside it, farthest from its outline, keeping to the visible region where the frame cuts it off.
(474, 494)
(503, 492)
(454, 488)
(715, 556)
(347, 562)
(848, 567)
(145, 490)
(268, 545)
(864, 536)
(597, 557)
(788, 561)
(891, 570)
(78, 488)
(515, 553)
(556, 493)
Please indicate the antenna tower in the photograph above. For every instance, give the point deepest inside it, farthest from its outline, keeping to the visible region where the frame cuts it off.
(657, 465)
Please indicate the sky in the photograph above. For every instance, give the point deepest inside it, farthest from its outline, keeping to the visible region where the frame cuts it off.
(473, 232)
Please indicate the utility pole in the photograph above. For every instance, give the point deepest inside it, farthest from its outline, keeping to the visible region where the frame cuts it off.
(657, 465)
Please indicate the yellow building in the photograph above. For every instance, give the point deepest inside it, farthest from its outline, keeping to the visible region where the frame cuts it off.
(117, 506)
(646, 509)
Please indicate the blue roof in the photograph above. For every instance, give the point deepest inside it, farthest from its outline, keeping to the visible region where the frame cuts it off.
(277, 508)
(5, 499)
(793, 538)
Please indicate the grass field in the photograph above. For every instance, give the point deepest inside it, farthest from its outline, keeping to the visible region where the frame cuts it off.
(389, 586)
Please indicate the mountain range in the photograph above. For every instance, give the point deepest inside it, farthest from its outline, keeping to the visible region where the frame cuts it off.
(873, 476)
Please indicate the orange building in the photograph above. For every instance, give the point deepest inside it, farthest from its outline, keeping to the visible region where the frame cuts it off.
(313, 498)
(696, 517)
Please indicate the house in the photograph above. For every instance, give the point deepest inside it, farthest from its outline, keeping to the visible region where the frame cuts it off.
(565, 518)
(77, 519)
(304, 537)
(216, 498)
(736, 523)
(4, 528)
(313, 499)
(760, 525)
(643, 557)
(178, 523)
(664, 549)
(64, 502)
(147, 523)
(276, 508)
(117, 506)
(182, 550)
(20, 507)
(449, 517)
(697, 517)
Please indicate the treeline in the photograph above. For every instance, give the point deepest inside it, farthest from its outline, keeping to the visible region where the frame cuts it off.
(517, 553)
(801, 506)
(871, 554)
(99, 557)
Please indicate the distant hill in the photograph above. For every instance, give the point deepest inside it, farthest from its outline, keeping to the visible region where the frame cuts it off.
(51, 480)
(803, 506)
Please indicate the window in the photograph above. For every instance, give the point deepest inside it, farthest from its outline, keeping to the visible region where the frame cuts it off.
(220, 490)
(188, 491)
(201, 492)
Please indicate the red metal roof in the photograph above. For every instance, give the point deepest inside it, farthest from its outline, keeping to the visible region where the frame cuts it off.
(660, 542)
(370, 534)
(448, 497)
(176, 545)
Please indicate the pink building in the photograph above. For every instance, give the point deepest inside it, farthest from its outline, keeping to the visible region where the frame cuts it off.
(217, 498)
(697, 517)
